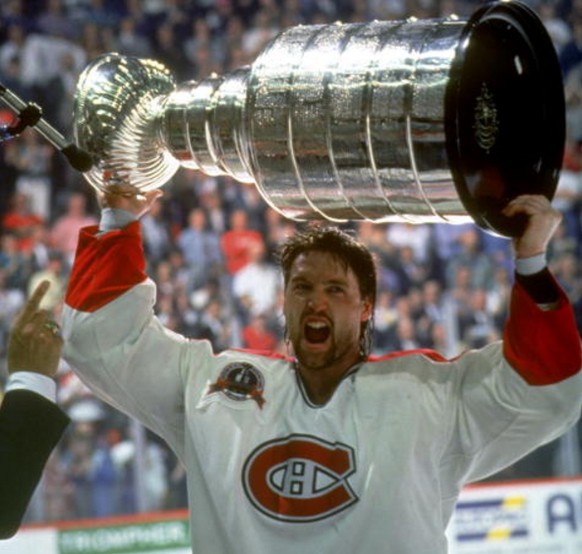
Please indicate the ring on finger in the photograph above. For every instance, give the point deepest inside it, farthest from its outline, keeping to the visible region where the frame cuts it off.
(52, 326)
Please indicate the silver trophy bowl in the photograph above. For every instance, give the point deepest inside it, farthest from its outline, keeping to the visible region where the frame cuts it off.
(437, 120)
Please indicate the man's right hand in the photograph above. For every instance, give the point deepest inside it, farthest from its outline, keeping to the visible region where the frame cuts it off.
(129, 198)
(542, 221)
(35, 342)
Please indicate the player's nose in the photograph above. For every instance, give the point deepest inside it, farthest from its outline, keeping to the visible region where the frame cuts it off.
(317, 300)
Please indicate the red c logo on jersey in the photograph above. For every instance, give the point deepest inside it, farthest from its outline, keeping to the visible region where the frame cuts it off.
(300, 478)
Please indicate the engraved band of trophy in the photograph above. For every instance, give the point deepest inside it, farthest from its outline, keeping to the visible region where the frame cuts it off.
(437, 120)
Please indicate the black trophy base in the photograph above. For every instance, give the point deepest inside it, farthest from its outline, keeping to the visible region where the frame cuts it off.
(504, 114)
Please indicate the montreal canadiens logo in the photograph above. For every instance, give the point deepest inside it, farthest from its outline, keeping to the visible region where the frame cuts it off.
(240, 381)
(300, 478)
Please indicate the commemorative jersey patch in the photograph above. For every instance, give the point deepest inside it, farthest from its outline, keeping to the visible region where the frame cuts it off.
(240, 381)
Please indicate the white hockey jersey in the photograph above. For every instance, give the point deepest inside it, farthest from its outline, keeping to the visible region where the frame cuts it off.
(375, 470)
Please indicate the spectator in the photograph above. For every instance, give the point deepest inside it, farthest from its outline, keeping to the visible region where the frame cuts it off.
(231, 54)
(157, 240)
(254, 299)
(11, 47)
(213, 325)
(41, 58)
(391, 273)
(105, 14)
(211, 203)
(385, 318)
(406, 335)
(67, 225)
(471, 257)
(571, 53)
(277, 230)
(200, 38)
(498, 297)
(200, 248)
(103, 478)
(32, 157)
(12, 80)
(15, 264)
(440, 340)
(130, 42)
(57, 490)
(165, 280)
(181, 274)
(238, 242)
(257, 337)
(432, 302)
(78, 460)
(412, 272)
(155, 478)
(167, 314)
(94, 40)
(188, 317)
(476, 326)
(568, 274)
(557, 28)
(255, 207)
(258, 34)
(416, 237)
(58, 93)
(568, 197)
(573, 94)
(54, 21)
(11, 302)
(167, 50)
(218, 15)
(39, 247)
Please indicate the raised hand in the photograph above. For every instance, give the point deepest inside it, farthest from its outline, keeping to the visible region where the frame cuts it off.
(543, 220)
(35, 342)
(130, 198)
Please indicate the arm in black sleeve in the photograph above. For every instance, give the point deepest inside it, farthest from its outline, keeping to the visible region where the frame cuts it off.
(30, 427)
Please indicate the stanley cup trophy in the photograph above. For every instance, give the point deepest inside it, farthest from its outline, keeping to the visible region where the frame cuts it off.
(438, 120)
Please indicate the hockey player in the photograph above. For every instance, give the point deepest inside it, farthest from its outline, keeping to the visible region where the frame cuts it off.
(329, 450)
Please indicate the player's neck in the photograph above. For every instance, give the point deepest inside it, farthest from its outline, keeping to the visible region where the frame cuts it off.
(319, 385)
(319, 393)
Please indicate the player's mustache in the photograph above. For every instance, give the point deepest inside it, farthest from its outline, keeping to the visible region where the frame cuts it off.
(321, 314)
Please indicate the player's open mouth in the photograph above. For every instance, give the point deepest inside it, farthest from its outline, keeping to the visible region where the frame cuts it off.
(316, 332)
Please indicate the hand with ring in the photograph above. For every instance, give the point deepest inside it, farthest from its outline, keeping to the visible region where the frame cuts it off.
(35, 342)
(52, 326)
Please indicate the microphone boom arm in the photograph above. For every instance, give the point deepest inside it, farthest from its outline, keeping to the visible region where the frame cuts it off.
(78, 158)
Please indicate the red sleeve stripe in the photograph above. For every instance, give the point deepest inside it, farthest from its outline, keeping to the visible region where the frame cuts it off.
(542, 346)
(105, 267)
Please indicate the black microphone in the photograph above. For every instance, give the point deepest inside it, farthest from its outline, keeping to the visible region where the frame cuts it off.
(79, 159)
(26, 118)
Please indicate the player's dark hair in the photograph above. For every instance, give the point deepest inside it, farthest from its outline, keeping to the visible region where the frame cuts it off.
(349, 252)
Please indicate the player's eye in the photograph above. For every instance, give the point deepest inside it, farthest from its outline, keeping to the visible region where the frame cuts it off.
(335, 289)
(300, 287)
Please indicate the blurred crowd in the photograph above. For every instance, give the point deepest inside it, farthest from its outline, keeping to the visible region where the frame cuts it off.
(211, 242)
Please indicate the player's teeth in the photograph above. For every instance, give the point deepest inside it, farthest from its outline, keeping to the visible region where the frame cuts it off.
(317, 325)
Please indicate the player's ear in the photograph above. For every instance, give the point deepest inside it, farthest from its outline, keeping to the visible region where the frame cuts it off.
(367, 308)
